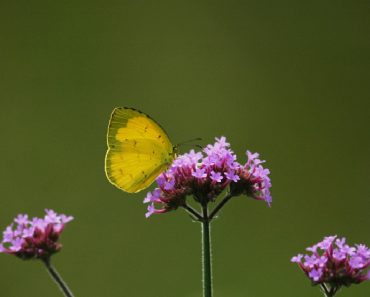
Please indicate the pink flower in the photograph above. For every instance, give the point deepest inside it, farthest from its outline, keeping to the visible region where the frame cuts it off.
(205, 175)
(334, 264)
(36, 238)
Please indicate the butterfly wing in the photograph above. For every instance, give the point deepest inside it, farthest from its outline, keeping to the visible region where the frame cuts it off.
(138, 150)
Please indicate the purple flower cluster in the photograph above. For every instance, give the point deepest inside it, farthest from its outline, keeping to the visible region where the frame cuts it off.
(205, 175)
(334, 262)
(35, 238)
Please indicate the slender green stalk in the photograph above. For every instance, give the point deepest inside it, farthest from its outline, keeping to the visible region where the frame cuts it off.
(227, 197)
(193, 213)
(57, 278)
(329, 291)
(324, 289)
(206, 254)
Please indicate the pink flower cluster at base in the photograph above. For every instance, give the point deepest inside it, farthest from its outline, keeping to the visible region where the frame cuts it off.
(204, 175)
(334, 262)
(35, 238)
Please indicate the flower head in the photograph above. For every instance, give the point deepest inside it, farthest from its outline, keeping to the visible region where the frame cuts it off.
(35, 238)
(205, 175)
(334, 263)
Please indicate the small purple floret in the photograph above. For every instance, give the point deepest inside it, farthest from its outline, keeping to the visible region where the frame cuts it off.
(216, 176)
(199, 173)
(231, 176)
(315, 274)
(297, 259)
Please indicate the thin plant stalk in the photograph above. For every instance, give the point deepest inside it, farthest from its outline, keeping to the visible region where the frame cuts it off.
(206, 254)
(227, 197)
(193, 213)
(57, 278)
(329, 291)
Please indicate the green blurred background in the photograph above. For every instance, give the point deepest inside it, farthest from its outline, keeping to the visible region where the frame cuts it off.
(289, 79)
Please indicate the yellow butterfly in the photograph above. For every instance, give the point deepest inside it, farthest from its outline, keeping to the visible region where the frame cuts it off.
(138, 150)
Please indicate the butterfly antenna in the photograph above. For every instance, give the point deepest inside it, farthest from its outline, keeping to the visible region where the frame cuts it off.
(189, 141)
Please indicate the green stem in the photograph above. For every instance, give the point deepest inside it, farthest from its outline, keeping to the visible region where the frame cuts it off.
(328, 290)
(57, 278)
(324, 289)
(192, 212)
(206, 254)
(227, 197)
